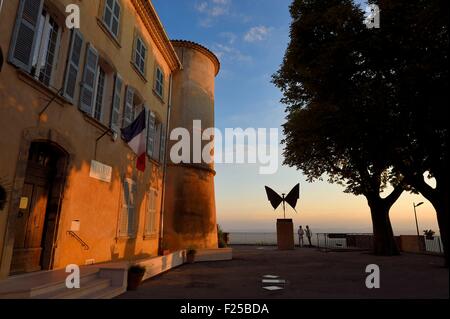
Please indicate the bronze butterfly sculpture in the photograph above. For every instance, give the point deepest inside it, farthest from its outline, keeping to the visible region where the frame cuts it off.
(291, 198)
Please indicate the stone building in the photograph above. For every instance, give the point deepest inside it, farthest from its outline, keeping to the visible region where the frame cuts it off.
(73, 193)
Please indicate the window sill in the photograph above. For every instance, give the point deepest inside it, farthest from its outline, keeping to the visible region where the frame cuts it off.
(151, 237)
(108, 33)
(142, 76)
(98, 124)
(41, 87)
(160, 98)
(126, 238)
(153, 161)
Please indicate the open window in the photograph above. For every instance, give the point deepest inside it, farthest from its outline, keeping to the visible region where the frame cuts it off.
(134, 104)
(36, 40)
(98, 88)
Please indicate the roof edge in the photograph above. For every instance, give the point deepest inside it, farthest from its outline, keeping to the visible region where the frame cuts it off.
(200, 48)
(154, 26)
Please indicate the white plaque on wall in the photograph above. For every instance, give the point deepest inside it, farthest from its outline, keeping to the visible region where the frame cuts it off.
(100, 171)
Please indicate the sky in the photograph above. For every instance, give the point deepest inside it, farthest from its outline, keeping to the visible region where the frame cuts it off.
(250, 38)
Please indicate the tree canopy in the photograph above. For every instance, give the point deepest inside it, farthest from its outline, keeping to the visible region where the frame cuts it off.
(365, 106)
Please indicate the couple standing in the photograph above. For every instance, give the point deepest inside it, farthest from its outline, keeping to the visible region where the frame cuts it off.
(301, 233)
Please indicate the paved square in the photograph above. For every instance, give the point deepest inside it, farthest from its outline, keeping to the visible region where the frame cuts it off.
(308, 272)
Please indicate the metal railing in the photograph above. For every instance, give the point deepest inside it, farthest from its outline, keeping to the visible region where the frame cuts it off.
(81, 241)
(326, 241)
(434, 245)
(344, 241)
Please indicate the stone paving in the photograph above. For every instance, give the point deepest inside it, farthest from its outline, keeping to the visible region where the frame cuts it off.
(308, 273)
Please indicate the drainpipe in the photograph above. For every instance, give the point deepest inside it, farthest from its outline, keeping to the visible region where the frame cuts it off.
(1, 51)
(166, 154)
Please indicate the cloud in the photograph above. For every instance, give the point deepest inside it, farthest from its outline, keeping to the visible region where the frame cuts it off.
(212, 9)
(258, 33)
(229, 36)
(230, 53)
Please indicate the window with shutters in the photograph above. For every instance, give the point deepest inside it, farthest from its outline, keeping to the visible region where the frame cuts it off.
(140, 55)
(115, 106)
(159, 82)
(98, 88)
(128, 216)
(156, 137)
(151, 213)
(36, 41)
(111, 16)
(134, 104)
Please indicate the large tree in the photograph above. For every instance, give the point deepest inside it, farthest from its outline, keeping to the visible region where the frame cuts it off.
(411, 51)
(333, 116)
(387, 86)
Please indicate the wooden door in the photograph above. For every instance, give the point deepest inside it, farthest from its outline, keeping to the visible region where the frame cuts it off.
(31, 217)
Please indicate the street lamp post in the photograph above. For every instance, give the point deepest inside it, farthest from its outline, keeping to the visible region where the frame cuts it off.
(415, 215)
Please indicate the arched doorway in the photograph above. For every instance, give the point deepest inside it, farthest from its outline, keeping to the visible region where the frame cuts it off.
(37, 220)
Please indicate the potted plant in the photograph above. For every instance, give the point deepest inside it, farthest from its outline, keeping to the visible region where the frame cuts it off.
(429, 234)
(135, 275)
(190, 255)
(223, 238)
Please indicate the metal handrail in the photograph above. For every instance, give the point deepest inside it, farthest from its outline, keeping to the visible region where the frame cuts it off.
(81, 241)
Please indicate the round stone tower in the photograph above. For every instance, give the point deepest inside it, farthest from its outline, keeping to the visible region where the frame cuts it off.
(190, 208)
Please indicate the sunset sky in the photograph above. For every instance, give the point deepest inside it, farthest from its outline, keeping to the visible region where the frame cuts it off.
(250, 37)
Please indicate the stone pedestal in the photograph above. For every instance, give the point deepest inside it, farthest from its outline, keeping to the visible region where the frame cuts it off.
(285, 234)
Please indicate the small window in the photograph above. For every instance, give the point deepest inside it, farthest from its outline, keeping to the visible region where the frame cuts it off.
(99, 94)
(44, 56)
(111, 16)
(140, 53)
(150, 218)
(159, 82)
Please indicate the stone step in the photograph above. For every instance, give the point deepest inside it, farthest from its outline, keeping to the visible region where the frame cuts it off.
(54, 287)
(106, 293)
(89, 287)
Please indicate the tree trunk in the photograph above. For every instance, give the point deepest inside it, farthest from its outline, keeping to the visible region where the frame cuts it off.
(384, 243)
(440, 204)
(439, 198)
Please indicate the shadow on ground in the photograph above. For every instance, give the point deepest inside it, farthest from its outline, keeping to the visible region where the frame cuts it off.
(309, 274)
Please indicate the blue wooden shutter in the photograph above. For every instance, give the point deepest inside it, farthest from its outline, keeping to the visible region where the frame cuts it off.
(24, 37)
(73, 65)
(89, 77)
(151, 130)
(128, 110)
(115, 109)
(127, 226)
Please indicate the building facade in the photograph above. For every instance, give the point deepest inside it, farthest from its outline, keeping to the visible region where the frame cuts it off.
(73, 193)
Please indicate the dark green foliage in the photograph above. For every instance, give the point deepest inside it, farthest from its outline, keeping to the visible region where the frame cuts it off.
(365, 106)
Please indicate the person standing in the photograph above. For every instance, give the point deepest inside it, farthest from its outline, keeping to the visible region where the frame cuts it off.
(309, 235)
(301, 233)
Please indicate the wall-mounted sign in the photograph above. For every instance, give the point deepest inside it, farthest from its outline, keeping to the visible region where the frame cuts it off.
(75, 226)
(23, 203)
(100, 171)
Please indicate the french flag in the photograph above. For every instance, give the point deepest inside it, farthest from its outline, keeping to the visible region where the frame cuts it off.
(134, 136)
